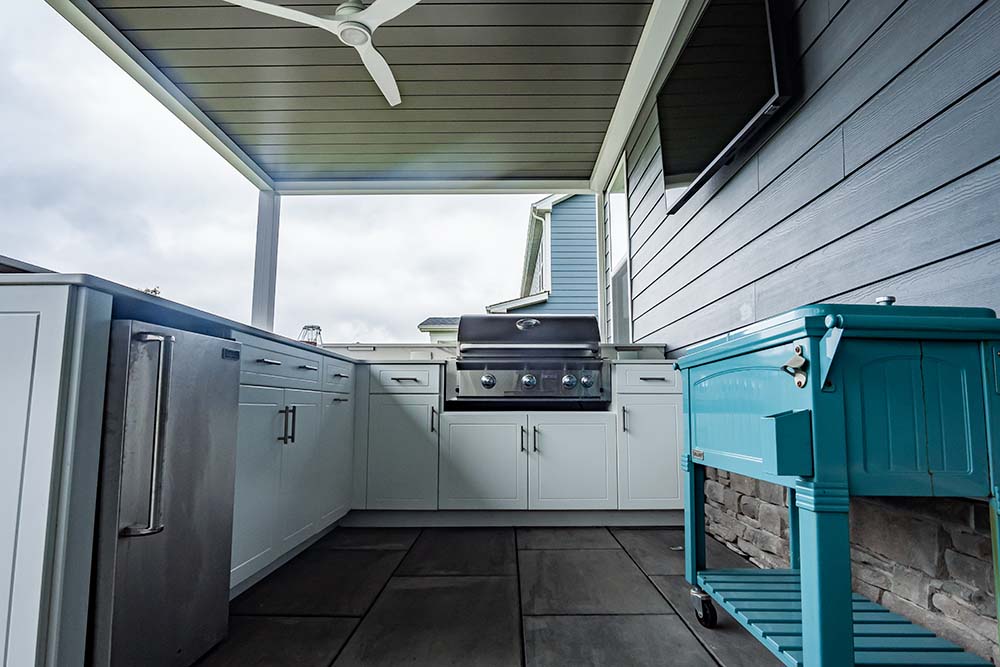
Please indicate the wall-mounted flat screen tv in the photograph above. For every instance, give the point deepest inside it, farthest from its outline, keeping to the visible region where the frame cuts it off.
(730, 78)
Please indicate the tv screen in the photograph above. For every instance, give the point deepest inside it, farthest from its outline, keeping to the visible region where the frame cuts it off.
(728, 80)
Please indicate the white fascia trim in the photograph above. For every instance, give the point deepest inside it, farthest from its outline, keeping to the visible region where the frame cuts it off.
(95, 27)
(420, 187)
(438, 328)
(514, 304)
(657, 36)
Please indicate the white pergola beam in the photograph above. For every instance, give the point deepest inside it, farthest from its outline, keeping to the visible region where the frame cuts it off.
(265, 261)
(422, 186)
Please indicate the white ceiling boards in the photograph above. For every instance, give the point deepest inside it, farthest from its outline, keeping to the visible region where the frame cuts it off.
(496, 95)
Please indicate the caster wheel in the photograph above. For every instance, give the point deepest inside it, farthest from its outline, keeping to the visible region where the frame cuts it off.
(707, 615)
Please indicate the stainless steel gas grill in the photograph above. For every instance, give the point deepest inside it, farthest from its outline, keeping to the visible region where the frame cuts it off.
(540, 360)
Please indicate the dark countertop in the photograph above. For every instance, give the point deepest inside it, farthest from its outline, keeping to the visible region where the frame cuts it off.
(130, 303)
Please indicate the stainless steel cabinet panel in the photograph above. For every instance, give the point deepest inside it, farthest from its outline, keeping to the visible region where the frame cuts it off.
(572, 461)
(484, 463)
(403, 451)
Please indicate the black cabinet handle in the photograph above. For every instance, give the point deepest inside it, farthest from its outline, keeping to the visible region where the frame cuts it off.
(294, 420)
(284, 412)
(534, 443)
(524, 435)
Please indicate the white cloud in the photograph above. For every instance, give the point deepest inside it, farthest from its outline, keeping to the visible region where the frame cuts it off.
(97, 177)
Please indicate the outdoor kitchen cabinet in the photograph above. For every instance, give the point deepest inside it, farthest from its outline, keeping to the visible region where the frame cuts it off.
(335, 471)
(403, 451)
(302, 473)
(484, 461)
(294, 453)
(528, 460)
(650, 432)
(572, 461)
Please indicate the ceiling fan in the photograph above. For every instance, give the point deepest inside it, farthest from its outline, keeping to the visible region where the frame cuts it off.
(353, 24)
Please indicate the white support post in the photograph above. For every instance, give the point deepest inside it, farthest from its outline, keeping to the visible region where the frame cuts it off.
(265, 263)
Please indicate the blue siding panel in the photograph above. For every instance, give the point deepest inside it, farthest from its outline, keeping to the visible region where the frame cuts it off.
(574, 288)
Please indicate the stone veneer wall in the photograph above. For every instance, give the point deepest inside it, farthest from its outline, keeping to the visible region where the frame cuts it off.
(927, 559)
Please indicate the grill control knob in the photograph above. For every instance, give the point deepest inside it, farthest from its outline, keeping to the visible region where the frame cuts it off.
(488, 381)
(569, 381)
(529, 381)
(587, 381)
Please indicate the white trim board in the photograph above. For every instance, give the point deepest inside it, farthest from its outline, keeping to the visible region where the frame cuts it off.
(520, 302)
(422, 187)
(472, 518)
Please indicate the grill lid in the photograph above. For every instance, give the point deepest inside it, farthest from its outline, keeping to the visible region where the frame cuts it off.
(529, 335)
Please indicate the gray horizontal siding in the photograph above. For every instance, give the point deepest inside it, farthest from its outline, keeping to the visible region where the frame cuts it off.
(574, 288)
(883, 179)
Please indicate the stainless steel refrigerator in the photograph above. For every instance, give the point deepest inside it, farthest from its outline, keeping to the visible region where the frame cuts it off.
(164, 528)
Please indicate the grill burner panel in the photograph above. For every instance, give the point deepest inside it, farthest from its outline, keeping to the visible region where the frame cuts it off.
(529, 360)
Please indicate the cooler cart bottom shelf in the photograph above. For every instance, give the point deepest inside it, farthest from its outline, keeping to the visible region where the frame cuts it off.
(768, 603)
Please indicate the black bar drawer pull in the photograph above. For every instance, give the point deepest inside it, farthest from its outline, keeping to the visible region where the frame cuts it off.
(654, 379)
(406, 379)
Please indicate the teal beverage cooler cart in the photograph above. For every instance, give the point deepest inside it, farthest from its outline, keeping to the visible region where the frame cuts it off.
(833, 401)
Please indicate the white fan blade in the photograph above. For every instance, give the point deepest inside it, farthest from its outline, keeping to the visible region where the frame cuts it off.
(287, 13)
(379, 69)
(381, 11)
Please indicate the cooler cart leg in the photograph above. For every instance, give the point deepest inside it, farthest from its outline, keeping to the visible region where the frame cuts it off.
(793, 531)
(694, 540)
(694, 519)
(995, 538)
(825, 555)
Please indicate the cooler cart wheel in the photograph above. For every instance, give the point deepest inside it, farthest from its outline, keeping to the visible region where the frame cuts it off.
(707, 615)
(704, 609)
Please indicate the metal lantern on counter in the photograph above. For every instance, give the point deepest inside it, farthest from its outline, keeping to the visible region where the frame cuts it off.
(311, 334)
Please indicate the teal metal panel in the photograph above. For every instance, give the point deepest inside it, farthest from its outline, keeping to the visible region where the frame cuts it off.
(787, 444)
(886, 420)
(955, 409)
(729, 400)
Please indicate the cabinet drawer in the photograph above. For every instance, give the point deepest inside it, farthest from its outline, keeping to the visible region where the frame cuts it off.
(405, 379)
(272, 364)
(338, 376)
(647, 379)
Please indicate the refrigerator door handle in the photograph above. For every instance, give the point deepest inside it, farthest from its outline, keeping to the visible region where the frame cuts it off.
(154, 523)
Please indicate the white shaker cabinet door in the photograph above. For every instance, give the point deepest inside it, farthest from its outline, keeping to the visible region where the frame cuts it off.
(258, 480)
(649, 449)
(403, 452)
(484, 463)
(572, 461)
(300, 487)
(335, 471)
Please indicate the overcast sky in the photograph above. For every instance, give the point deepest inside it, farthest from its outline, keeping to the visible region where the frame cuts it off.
(97, 177)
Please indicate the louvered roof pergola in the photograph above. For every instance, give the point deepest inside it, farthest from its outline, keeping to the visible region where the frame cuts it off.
(498, 96)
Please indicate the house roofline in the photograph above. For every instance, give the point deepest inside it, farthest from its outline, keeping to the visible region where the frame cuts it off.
(520, 302)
